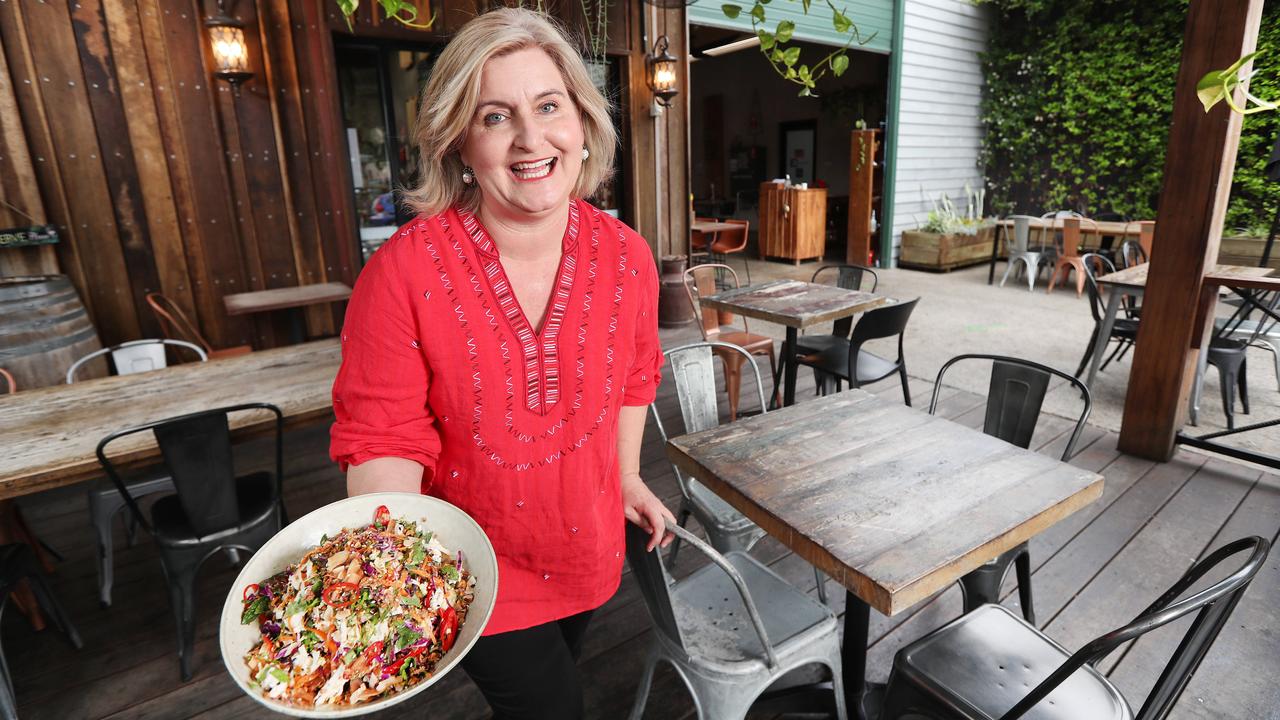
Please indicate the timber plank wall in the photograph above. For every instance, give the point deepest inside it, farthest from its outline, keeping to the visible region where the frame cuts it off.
(159, 178)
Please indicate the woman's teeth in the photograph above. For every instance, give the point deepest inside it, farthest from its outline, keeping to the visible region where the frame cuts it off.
(533, 170)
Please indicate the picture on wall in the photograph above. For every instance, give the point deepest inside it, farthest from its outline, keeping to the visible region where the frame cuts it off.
(797, 140)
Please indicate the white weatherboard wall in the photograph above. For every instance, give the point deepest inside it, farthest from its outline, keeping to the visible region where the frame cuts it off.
(939, 130)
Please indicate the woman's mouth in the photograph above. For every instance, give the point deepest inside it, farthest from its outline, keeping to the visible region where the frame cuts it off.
(535, 170)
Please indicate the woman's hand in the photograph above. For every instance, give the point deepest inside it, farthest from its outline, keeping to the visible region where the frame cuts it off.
(644, 508)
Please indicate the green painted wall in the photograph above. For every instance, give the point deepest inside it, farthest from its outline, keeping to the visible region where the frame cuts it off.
(870, 16)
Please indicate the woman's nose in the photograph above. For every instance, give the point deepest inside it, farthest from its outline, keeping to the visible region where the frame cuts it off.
(528, 135)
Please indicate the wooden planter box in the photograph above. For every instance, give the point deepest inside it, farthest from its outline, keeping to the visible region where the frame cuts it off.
(1247, 251)
(930, 251)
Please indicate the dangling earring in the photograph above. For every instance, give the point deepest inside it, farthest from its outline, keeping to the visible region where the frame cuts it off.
(585, 153)
(468, 175)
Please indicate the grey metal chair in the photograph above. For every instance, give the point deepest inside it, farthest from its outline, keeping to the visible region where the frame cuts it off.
(730, 629)
(1124, 330)
(991, 664)
(1014, 398)
(1021, 252)
(213, 510)
(693, 370)
(105, 502)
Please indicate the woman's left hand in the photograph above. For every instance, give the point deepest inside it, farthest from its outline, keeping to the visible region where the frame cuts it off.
(644, 508)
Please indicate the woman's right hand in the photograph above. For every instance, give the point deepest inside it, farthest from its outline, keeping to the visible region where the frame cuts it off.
(384, 474)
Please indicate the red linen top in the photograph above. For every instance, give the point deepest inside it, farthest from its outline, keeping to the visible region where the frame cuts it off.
(516, 426)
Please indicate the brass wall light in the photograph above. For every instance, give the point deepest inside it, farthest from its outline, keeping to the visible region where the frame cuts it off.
(230, 51)
(662, 69)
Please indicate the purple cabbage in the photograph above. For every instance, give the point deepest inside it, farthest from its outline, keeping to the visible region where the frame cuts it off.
(368, 568)
(271, 627)
(286, 651)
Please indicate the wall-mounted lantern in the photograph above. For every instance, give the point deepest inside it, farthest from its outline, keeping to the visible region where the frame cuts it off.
(230, 51)
(662, 72)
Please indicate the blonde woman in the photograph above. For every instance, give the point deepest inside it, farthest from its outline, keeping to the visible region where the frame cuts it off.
(500, 350)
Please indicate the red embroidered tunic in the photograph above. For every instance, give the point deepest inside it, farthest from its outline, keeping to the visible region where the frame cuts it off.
(515, 425)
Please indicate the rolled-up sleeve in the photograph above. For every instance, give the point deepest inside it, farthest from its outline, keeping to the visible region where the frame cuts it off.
(646, 368)
(380, 394)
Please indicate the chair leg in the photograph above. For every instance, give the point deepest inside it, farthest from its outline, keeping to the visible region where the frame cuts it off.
(680, 520)
(773, 370)
(1013, 262)
(1022, 565)
(642, 692)
(101, 517)
(1244, 385)
(906, 390)
(982, 586)
(49, 603)
(8, 701)
(1227, 385)
(732, 381)
(1088, 353)
(1033, 269)
(822, 585)
(180, 575)
(1113, 355)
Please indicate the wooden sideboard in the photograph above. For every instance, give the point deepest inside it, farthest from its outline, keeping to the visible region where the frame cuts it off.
(793, 222)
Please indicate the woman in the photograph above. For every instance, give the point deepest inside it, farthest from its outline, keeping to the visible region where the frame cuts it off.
(500, 351)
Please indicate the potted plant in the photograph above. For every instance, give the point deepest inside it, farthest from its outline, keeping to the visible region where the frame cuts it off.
(950, 239)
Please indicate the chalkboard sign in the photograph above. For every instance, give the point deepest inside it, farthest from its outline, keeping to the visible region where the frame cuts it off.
(27, 236)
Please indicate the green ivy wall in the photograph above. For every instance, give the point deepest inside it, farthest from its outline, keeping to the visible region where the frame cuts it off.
(1079, 96)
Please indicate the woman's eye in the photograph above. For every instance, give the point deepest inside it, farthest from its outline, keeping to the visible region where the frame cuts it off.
(493, 118)
(549, 107)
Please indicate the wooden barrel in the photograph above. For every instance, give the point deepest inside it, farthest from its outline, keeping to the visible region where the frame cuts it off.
(43, 330)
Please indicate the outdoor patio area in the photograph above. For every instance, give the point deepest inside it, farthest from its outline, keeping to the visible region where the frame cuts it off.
(1093, 571)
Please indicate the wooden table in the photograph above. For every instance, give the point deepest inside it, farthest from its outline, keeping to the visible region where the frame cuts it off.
(891, 502)
(711, 226)
(1133, 281)
(1114, 228)
(796, 305)
(287, 298)
(50, 434)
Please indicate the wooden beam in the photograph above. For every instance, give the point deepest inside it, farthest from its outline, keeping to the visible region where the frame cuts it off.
(1193, 202)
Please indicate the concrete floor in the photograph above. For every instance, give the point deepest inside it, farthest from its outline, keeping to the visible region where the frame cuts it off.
(959, 313)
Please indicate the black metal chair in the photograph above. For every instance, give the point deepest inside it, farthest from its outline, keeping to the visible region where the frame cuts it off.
(1107, 243)
(1125, 329)
(1131, 253)
(848, 362)
(982, 664)
(17, 563)
(849, 277)
(213, 509)
(1014, 398)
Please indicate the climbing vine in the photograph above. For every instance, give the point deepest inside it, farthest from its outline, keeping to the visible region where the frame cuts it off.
(1079, 96)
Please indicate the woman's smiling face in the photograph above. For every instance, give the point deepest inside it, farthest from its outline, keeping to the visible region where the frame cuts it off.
(525, 140)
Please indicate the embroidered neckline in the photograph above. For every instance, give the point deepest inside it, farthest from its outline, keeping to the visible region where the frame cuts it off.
(540, 348)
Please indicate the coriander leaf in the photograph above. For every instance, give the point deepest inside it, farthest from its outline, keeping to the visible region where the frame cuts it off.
(450, 573)
(411, 601)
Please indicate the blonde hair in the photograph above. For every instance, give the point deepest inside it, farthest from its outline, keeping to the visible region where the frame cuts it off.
(449, 103)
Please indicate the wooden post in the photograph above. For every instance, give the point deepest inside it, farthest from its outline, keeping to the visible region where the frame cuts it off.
(1193, 201)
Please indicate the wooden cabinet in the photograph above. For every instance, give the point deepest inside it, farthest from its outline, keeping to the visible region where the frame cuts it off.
(793, 222)
(865, 187)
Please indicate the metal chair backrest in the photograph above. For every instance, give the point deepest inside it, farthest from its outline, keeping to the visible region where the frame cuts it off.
(849, 277)
(884, 321)
(11, 385)
(700, 281)
(136, 356)
(174, 323)
(197, 454)
(1131, 253)
(693, 370)
(1015, 397)
(1212, 605)
(1021, 232)
(732, 241)
(1073, 229)
(1096, 265)
(651, 576)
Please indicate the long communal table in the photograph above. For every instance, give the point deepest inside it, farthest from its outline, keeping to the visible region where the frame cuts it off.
(51, 434)
(891, 502)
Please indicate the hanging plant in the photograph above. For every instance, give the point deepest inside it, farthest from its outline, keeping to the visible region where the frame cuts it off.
(785, 58)
(595, 24)
(402, 11)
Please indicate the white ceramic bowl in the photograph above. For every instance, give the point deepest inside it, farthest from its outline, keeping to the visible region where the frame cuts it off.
(455, 530)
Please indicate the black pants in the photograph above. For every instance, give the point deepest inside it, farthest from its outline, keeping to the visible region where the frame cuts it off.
(531, 673)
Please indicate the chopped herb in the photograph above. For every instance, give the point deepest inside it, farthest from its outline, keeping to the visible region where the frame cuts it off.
(427, 535)
(349, 657)
(404, 669)
(256, 607)
(406, 636)
(450, 573)
(411, 601)
(278, 674)
(310, 640)
(418, 555)
(300, 605)
(324, 538)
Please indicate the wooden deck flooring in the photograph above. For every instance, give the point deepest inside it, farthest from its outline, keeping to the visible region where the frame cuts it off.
(1094, 571)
